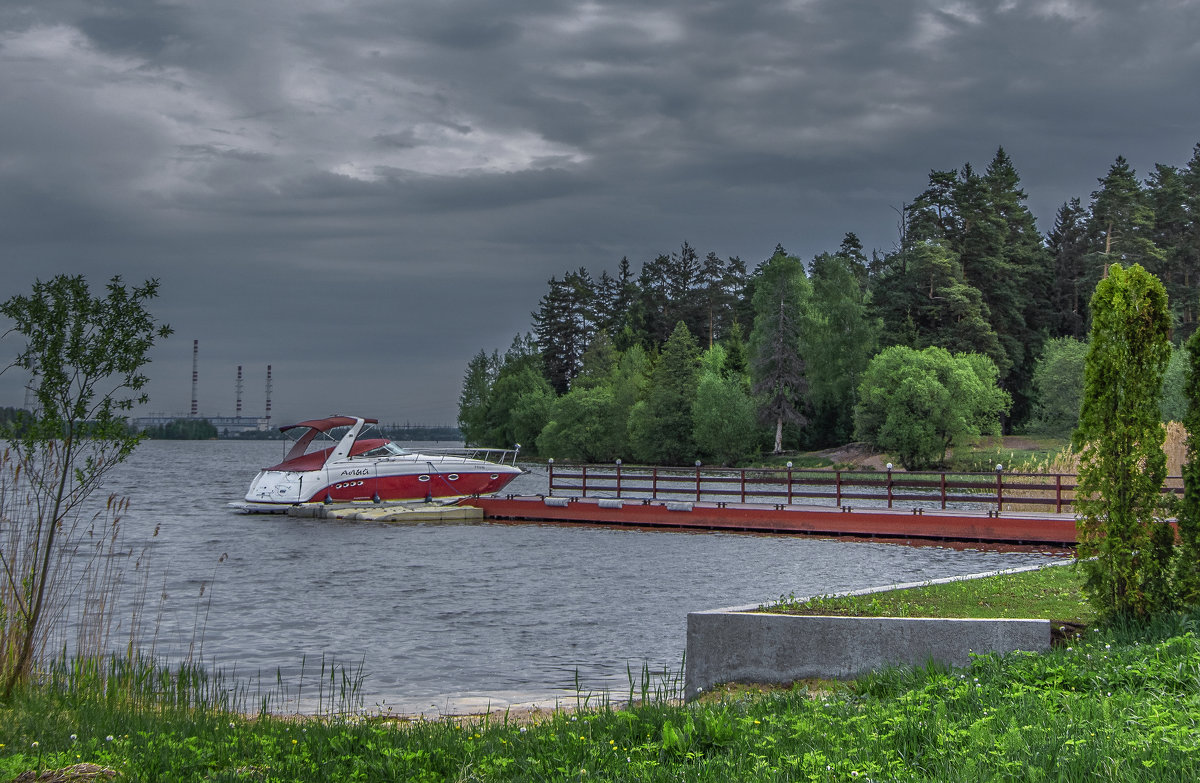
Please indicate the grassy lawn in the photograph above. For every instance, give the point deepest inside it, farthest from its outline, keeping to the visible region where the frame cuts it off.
(1054, 593)
(1120, 703)
(1116, 702)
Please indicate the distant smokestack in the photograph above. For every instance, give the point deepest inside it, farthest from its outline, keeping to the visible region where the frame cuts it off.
(195, 374)
(268, 394)
(239, 392)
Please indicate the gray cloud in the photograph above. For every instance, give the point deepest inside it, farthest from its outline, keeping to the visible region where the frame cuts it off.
(363, 194)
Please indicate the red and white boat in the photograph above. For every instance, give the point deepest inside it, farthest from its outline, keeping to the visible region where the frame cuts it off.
(358, 468)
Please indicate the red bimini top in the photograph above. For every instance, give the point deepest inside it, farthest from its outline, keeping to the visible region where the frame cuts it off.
(315, 459)
(296, 459)
(326, 424)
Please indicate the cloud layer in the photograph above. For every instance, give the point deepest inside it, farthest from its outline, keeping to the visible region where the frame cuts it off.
(363, 194)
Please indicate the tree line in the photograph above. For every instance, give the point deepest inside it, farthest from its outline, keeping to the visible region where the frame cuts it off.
(699, 357)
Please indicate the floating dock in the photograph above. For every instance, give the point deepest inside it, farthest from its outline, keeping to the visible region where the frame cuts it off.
(937, 525)
(408, 513)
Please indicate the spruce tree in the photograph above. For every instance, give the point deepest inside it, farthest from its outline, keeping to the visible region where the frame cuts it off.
(660, 425)
(778, 370)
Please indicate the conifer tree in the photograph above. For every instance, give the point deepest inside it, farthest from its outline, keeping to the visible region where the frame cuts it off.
(1187, 570)
(1067, 244)
(776, 366)
(1123, 547)
(660, 425)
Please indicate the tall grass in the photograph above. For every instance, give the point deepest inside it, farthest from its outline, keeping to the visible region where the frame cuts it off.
(1118, 703)
(91, 568)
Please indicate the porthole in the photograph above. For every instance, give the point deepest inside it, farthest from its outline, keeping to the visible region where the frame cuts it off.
(495, 476)
(422, 478)
(453, 477)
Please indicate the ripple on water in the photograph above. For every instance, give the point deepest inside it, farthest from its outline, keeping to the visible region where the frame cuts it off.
(447, 614)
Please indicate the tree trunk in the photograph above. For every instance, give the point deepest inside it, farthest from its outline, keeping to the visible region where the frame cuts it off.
(779, 435)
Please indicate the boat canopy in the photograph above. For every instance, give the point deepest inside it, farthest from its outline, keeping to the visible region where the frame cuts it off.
(328, 423)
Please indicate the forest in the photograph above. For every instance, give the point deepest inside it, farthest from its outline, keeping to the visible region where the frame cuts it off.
(974, 323)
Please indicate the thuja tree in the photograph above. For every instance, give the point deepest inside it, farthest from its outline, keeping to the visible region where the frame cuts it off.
(84, 355)
(1124, 547)
(1187, 569)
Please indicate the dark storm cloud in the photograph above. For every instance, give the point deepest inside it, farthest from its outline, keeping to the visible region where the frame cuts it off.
(363, 194)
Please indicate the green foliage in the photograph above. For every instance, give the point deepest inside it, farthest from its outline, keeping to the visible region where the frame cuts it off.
(723, 415)
(917, 404)
(475, 397)
(84, 355)
(182, 429)
(1119, 440)
(1172, 406)
(781, 299)
(1058, 383)
(1188, 516)
(839, 339)
(1117, 704)
(660, 425)
(581, 427)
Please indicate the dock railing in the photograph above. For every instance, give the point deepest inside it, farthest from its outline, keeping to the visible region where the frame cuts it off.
(1044, 492)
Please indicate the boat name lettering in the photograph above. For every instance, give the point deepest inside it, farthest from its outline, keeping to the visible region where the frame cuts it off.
(356, 472)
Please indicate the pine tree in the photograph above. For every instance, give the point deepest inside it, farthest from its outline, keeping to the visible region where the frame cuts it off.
(1122, 220)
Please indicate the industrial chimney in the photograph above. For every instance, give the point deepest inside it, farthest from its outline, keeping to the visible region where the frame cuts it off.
(238, 411)
(268, 395)
(195, 374)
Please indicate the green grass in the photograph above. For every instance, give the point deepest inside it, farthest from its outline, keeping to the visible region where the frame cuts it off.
(1120, 703)
(1054, 593)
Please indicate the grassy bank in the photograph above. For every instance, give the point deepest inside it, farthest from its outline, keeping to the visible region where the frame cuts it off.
(1055, 593)
(1122, 703)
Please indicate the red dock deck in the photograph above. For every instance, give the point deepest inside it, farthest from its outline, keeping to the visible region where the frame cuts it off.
(989, 527)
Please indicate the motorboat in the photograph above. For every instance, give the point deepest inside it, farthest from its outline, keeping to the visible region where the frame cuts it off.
(358, 467)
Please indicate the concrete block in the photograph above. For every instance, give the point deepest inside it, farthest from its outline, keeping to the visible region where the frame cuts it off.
(732, 646)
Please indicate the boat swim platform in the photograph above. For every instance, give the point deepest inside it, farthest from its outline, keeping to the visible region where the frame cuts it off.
(413, 512)
(860, 522)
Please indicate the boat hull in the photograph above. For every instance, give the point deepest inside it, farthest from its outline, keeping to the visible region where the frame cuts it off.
(363, 483)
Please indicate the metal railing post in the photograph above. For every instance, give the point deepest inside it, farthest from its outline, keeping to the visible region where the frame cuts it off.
(743, 471)
(889, 468)
(583, 478)
(550, 464)
(838, 482)
(999, 488)
(943, 490)
(789, 467)
(618, 478)
(697, 481)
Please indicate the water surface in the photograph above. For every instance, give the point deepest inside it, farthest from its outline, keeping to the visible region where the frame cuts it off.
(443, 616)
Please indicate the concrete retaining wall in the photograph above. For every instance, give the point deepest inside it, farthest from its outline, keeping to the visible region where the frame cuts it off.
(736, 645)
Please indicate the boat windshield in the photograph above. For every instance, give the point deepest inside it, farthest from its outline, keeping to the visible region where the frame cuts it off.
(387, 449)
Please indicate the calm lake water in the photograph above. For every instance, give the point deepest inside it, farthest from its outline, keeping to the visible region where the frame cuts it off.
(445, 617)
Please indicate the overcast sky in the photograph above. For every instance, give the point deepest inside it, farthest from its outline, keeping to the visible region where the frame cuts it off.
(364, 194)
